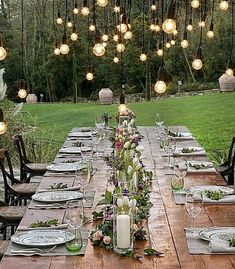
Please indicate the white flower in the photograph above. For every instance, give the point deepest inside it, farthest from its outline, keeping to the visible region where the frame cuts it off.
(135, 228)
(132, 203)
(124, 124)
(132, 152)
(138, 166)
(140, 148)
(125, 201)
(97, 235)
(129, 129)
(132, 122)
(107, 240)
(133, 145)
(119, 202)
(129, 170)
(127, 145)
(136, 161)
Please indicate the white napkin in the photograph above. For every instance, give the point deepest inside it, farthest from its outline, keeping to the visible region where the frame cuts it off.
(26, 228)
(220, 246)
(227, 199)
(209, 169)
(199, 151)
(81, 134)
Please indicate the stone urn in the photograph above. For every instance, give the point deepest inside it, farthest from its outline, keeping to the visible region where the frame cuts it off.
(227, 83)
(106, 96)
(31, 98)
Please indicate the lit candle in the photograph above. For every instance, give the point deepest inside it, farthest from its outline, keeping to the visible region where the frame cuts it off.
(123, 232)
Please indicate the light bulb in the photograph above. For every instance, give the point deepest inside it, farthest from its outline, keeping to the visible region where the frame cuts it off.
(172, 42)
(224, 5)
(85, 11)
(92, 28)
(169, 26)
(115, 59)
(3, 128)
(175, 32)
(195, 3)
(120, 47)
(116, 9)
(122, 109)
(143, 57)
(128, 35)
(157, 28)
(102, 3)
(184, 43)
(115, 38)
(210, 34)
(160, 52)
(202, 24)
(189, 27)
(76, 11)
(160, 86)
(153, 7)
(69, 24)
(3, 53)
(122, 28)
(99, 49)
(22, 93)
(152, 27)
(229, 72)
(57, 51)
(197, 64)
(89, 76)
(104, 44)
(64, 49)
(168, 45)
(59, 21)
(74, 36)
(105, 37)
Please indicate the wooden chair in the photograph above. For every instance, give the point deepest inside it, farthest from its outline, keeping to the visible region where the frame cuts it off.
(227, 168)
(15, 190)
(4, 244)
(10, 216)
(28, 169)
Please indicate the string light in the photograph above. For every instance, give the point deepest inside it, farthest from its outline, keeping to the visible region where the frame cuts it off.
(76, 10)
(224, 5)
(22, 93)
(169, 25)
(85, 9)
(229, 72)
(3, 126)
(102, 3)
(89, 76)
(115, 59)
(128, 35)
(197, 63)
(3, 53)
(143, 57)
(195, 3)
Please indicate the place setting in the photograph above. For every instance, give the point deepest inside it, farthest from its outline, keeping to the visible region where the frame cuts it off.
(181, 135)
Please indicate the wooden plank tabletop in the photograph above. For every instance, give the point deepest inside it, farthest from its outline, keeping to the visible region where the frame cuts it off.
(166, 223)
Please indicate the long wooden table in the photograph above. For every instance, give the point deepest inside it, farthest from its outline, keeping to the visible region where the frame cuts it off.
(166, 223)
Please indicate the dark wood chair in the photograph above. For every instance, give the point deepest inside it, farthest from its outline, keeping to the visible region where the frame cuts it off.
(10, 216)
(4, 244)
(28, 169)
(226, 169)
(15, 190)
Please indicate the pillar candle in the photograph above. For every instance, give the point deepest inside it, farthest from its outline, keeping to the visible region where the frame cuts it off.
(123, 231)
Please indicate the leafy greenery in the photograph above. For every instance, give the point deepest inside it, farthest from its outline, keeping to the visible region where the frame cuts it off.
(214, 195)
(59, 186)
(48, 223)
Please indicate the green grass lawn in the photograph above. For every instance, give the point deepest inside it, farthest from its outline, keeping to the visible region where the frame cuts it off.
(211, 118)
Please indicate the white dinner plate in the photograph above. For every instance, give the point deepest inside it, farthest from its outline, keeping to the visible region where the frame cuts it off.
(41, 238)
(64, 167)
(202, 188)
(216, 232)
(57, 196)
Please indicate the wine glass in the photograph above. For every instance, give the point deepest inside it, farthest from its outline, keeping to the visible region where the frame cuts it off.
(177, 183)
(99, 122)
(193, 206)
(87, 151)
(169, 147)
(180, 168)
(159, 122)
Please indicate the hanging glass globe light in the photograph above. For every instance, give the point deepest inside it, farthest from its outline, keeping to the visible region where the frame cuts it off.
(59, 21)
(3, 53)
(3, 126)
(152, 27)
(160, 52)
(85, 9)
(168, 45)
(89, 76)
(160, 87)
(120, 47)
(169, 25)
(189, 27)
(22, 93)
(99, 50)
(195, 3)
(202, 24)
(184, 43)
(197, 64)
(128, 35)
(92, 28)
(153, 7)
(157, 28)
(115, 59)
(102, 3)
(229, 72)
(116, 9)
(105, 37)
(210, 34)
(122, 109)
(224, 5)
(143, 57)
(76, 10)
(172, 42)
(56, 49)
(64, 48)
(74, 37)
(69, 23)
(104, 44)
(122, 28)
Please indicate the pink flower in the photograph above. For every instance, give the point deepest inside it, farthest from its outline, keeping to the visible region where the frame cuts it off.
(107, 240)
(97, 235)
(118, 145)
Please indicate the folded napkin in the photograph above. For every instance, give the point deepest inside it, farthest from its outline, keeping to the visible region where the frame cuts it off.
(220, 246)
(81, 134)
(74, 188)
(227, 199)
(26, 228)
(182, 135)
(198, 152)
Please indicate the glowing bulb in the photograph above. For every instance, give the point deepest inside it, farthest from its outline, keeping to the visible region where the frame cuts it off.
(122, 109)
(160, 52)
(128, 35)
(57, 51)
(3, 53)
(157, 28)
(202, 24)
(175, 32)
(122, 28)
(102, 3)
(224, 5)
(76, 11)
(59, 21)
(104, 44)
(120, 47)
(169, 26)
(210, 34)
(115, 60)
(3, 128)
(168, 45)
(116, 9)
(64, 49)
(69, 24)
(89, 76)
(99, 50)
(172, 42)
(184, 44)
(115, 38)
(229, 72)
(22, 93)
(195, 3)
(92, 28)
(152, 27)
(85, 11)
(190, 27)
(197, 64)
(105, 38)
(160, 86)
(74, 36)
(143, 57)
(153, 7)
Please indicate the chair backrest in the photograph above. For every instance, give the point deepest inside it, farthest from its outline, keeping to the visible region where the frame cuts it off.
(231, 151)
(20, 146)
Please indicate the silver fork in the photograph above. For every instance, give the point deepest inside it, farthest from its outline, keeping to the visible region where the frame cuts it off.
(33, 250)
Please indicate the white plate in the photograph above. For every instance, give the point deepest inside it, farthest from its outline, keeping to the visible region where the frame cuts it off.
(225, 189)
(74, 150)
(215, 232)
(81, 134)
(57, 196)
(41, 238)
(64, 167)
